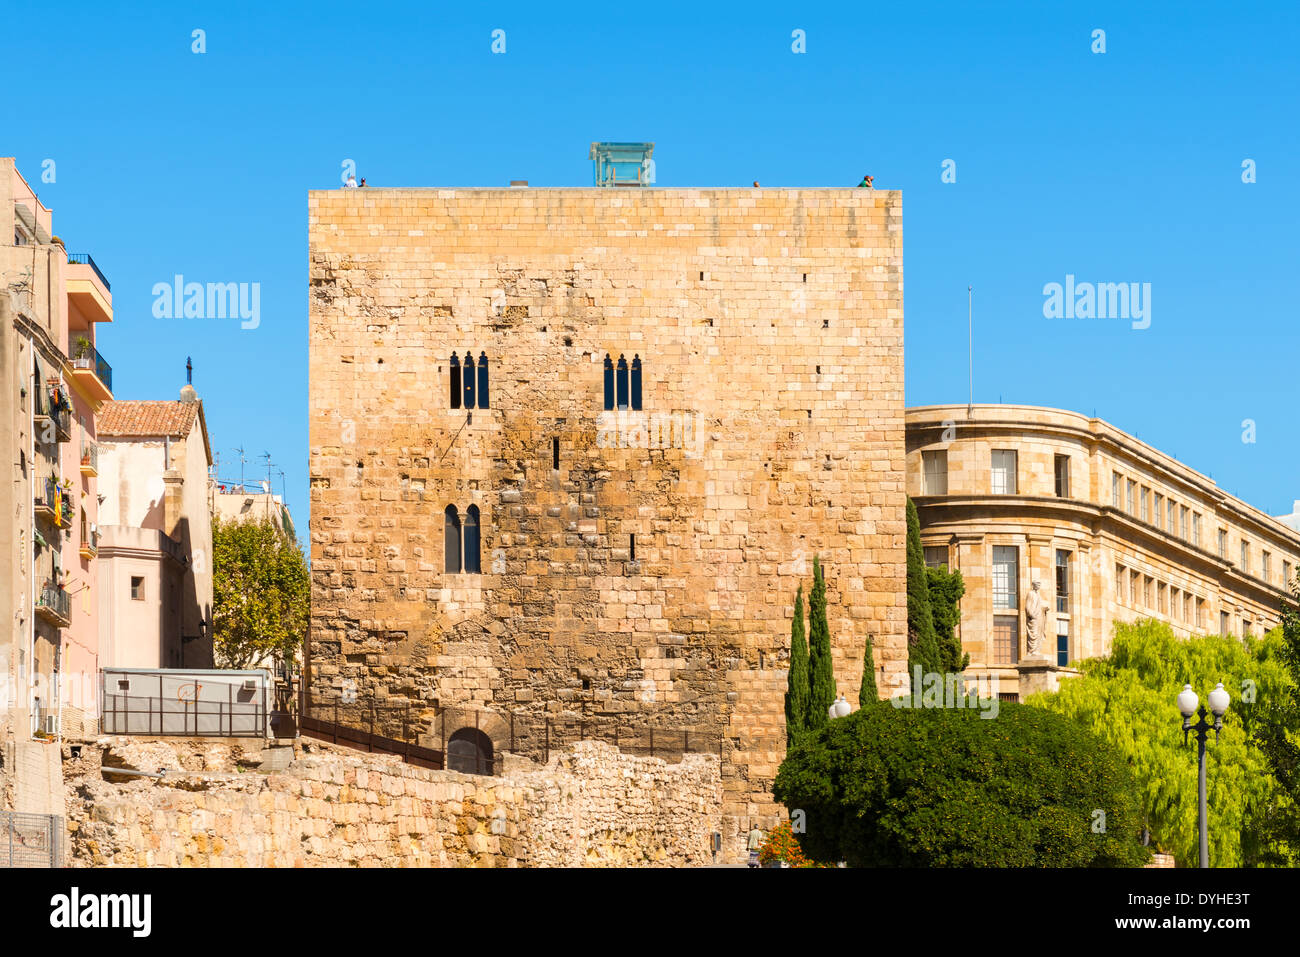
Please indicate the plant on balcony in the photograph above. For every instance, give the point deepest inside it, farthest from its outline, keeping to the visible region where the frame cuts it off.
(82, 348)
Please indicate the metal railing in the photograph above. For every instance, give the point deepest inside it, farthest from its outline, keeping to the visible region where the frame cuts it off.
(400, 729)
(30, 840)
(49, 407)
(57, 599)
(175, 715)
(97, 364)
(90, 454)
(51, 498)
(84, 259)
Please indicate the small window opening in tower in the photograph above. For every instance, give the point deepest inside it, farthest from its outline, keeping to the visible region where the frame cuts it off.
(631, 548)
(555, 454)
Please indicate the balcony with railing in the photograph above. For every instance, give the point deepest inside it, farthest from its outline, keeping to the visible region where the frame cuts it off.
(89, 459)
(90, 544)
(49, 501)
(88, 289)
(91, 371)
(85, 259)
(52, 416)
(55, 605)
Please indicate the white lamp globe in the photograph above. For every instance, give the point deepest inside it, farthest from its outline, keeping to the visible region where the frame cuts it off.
(1187, 701)
(1219, 700)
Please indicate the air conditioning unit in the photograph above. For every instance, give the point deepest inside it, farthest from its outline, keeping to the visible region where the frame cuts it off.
(250, 684)
(49, 723)
(123, 684)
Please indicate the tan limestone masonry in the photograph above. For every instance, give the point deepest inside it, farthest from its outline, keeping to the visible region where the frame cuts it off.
(590, 806)
(770, 328)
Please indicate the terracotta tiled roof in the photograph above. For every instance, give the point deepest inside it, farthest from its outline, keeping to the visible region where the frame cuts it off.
(137, 417)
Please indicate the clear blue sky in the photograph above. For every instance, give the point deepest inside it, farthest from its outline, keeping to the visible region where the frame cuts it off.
(1115, 167)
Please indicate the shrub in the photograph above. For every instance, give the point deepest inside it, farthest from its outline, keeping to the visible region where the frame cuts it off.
(942, 787)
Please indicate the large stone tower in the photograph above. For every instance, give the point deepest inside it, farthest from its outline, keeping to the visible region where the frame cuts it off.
(690, 392)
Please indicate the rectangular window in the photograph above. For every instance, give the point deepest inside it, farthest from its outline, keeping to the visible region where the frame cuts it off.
(1183, 511)
(1245, 627)
(1119, 582)
(936, 556)
(1114, 489)
(1200, 614)
(1225, 629)
(137, 588)
(1223, 543)
(1172, 514)
(1134, 588)
(1245, 556)
(1062, 581)
(1196, 529)
(1004, 472)
(1148, 591)
(934, 467)
(1062, 643)
(1130, 502)
(1006, 643)
(1187, 607)
(1286, 574)
(1062, 476)
(1175, 604)
(1157, 512)
(1006, 571)
(1266, 562)
(1143, 498)
(1161, 597)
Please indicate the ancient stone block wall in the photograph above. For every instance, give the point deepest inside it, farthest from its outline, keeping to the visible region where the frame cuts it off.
(217, 807)
(664, 551)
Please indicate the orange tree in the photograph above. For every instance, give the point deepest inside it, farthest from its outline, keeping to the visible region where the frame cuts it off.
(782, 845)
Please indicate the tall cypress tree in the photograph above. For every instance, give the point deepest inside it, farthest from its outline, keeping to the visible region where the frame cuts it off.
(820, 673)
(946, 589)
(867, 693)
(796, 695)
(922, 645)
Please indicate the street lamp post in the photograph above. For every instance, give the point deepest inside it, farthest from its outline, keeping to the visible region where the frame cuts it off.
(1187, 704)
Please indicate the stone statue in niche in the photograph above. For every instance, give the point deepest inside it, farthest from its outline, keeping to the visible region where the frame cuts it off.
(1035, 618)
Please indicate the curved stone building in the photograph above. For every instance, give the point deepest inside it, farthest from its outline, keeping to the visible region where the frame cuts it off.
(1111, 528)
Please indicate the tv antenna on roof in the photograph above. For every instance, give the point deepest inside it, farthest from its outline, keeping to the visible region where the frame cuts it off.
(242, 460)
(970, 348)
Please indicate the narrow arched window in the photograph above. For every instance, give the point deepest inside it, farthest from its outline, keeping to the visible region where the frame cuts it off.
(452, 538)
(482, 380)
(469, 380)
(622, 383)
(455, 382)
(609, 384)
(636, 383)
(471, 541)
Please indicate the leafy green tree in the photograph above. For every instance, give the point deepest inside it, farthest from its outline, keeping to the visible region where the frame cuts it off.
(946, 589)
(797, 687)
(260, 594)
(942, 787)
(922, 645)
(820, 672)
(1129, 700)
(1276, 732)
(867, 693)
